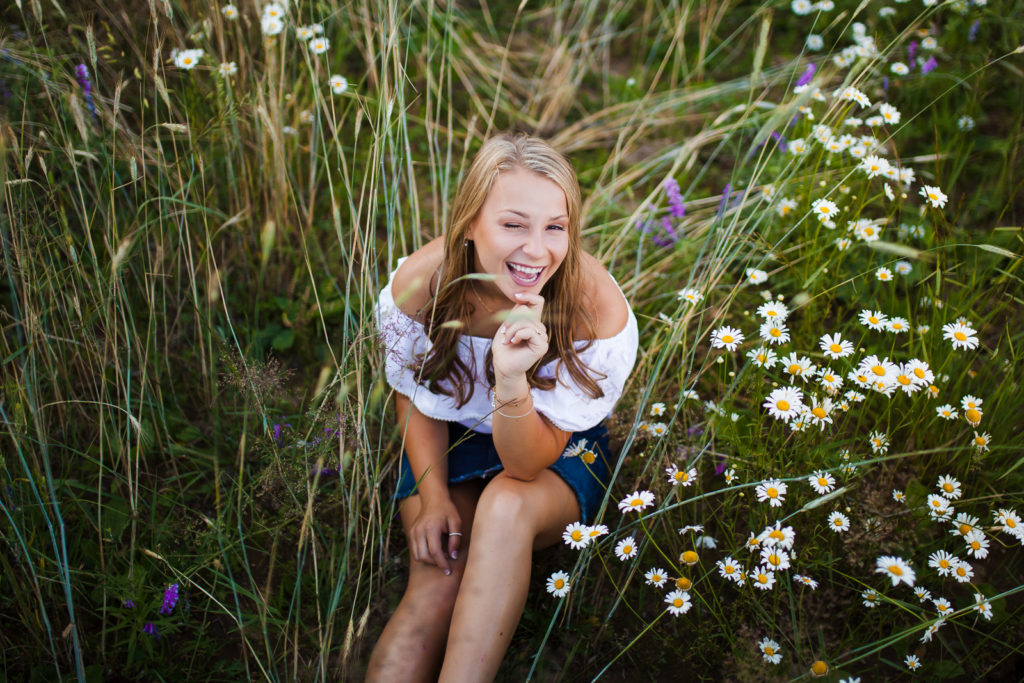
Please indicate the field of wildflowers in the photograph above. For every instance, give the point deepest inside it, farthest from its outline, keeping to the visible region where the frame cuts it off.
(814, 207)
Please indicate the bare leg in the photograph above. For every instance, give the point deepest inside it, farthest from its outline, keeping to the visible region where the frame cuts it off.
(412, 643)
(513, 518)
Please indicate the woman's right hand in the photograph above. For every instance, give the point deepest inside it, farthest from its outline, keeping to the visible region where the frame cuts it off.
(437, 519)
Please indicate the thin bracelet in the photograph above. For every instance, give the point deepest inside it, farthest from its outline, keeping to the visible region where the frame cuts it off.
(516, 417)
(515, 404)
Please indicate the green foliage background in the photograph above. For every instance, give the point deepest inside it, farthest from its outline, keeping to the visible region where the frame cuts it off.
(192, 392)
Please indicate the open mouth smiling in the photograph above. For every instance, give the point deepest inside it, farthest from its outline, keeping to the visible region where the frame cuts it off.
(525, 276)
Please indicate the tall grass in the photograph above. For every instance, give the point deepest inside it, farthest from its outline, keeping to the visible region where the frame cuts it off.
(193, 393)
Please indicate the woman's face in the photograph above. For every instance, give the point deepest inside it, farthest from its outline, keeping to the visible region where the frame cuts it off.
(521, 234)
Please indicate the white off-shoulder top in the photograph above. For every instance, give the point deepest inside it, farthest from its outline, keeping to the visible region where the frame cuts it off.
(567, 406)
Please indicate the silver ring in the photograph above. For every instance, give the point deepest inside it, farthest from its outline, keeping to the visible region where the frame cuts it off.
(454, 533)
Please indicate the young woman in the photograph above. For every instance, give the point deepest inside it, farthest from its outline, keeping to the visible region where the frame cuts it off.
(507, 346)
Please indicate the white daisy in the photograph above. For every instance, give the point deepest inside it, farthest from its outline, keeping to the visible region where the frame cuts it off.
(636, 501)
(626, 548)
(772, 491)
(558, 584)
(726, 337)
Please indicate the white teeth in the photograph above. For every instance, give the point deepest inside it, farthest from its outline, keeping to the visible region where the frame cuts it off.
(525, 270)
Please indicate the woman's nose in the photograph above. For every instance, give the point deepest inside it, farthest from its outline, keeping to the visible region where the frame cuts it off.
(534, 244)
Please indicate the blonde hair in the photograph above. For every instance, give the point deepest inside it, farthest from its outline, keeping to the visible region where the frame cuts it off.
(563, 309)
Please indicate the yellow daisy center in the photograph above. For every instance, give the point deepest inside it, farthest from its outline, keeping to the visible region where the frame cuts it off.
(769, 650)
(878, 370)
(835, 348)
(973, 415)
(869, 231)
(822, 481)
(965, 529)
(824, 209)
(772, 492)
(960, 571)
(960, 336)
(828, 378)
(795, 369)
(919, 373)
(1010, 523)
(932, 196)
(762, 578)
(782, 405)
(937, 503)
(689, 557)
(588, 457)
(683, 583)
(576, 535)
(873, 320)
(761, 358)
(559, 584)
(897, 326)
(903, 379)
(777, 535)
(819, 668)
(727, 339)
(729, 569)
(774, 559)
(975, 545)
(896, 569)
(837, 521)
(636, 502)
(627, 549)
(944, 563)
(678, 602)
(980, 441)
(819, 412)
(775, 332)
(947, 487)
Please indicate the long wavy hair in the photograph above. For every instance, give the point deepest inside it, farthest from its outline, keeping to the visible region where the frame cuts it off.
(448, 312)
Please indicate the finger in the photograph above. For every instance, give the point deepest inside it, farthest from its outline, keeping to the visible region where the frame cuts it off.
(418, 546)
(530, 300)
(524, 331)
(454, 537)
(435, 551)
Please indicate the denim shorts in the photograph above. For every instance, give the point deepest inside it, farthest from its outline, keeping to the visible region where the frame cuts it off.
(471, 455)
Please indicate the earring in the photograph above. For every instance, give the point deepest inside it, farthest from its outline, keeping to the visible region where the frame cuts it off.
(465, 243)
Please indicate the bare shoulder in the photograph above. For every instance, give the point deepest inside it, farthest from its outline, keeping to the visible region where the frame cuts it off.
(412, 287)
(607, 304)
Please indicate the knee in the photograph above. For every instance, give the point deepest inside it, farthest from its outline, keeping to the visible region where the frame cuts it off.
(502, 509)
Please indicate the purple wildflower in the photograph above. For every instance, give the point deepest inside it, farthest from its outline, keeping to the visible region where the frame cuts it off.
(676, 207)
(170, 599)
(725, 198)
(82, 75)
(929, 66)
(807, 75)
(721, 464)
(911, 51)
(127, 604)
(671, 236)
(972, 34)
(277, 432)
(151, 629)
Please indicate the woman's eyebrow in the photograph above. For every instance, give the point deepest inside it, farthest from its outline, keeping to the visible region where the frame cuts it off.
(526, 216)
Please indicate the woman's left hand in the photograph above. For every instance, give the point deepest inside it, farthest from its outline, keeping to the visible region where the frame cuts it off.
(522, 339)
